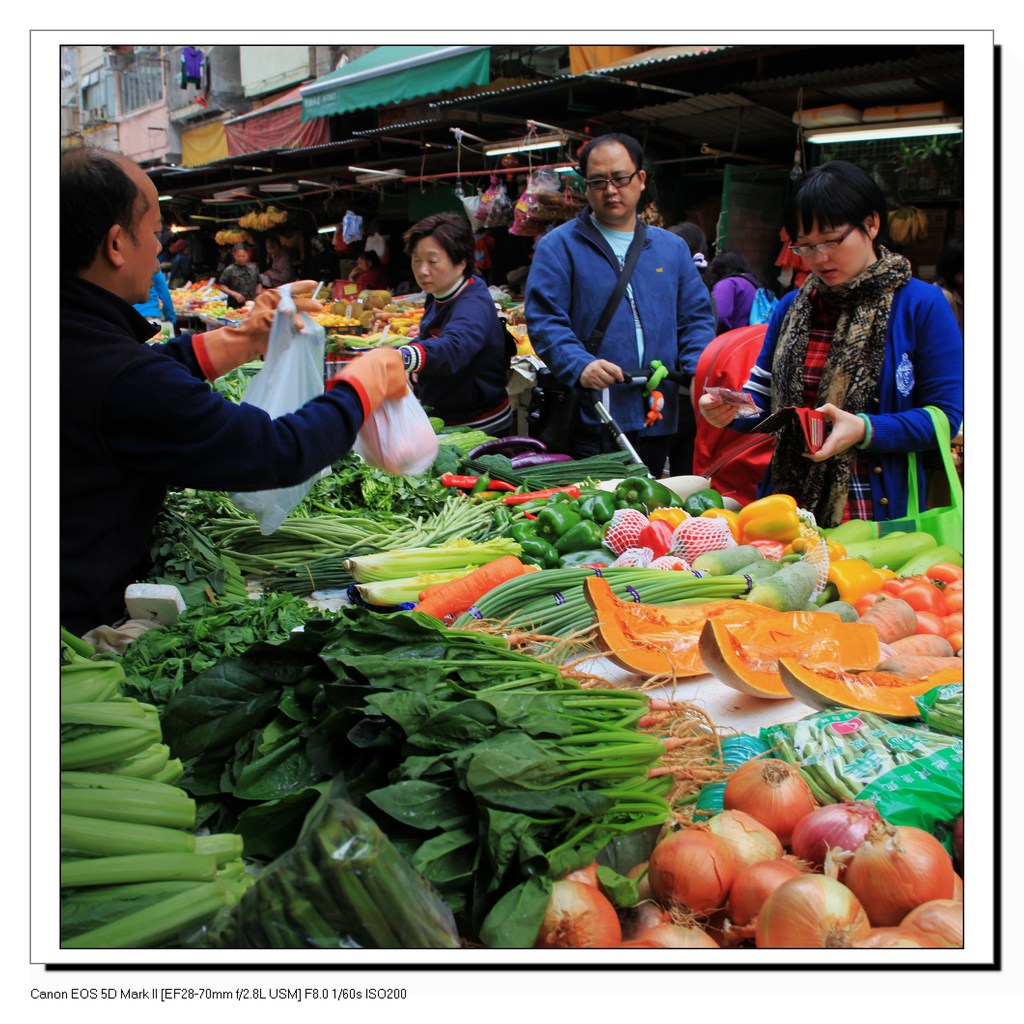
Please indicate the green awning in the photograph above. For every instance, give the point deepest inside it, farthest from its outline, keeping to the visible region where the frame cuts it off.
(394, 74)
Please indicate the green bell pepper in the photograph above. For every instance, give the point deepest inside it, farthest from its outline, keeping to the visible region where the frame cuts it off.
(586, 534)
(555, 520)
(645, 494)
(536, 551)
(702, 500)
(599, 556)
(523, 530)
(599, 507)
(636, 492)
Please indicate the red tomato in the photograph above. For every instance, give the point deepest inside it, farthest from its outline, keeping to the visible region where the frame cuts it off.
(928, 622)
(954, 622)
(954, 600)
(954, 588)
(956, 640)
(945, 572)
(923, 596)
(894, 586)
(866, 602)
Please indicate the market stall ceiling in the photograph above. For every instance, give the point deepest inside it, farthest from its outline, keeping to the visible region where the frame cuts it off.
(738, 98)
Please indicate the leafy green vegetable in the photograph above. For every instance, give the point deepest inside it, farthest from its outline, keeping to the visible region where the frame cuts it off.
(489, 770)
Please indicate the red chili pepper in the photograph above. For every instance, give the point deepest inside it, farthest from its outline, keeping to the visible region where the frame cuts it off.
(521, 499)
(452, 480)
(469, 482)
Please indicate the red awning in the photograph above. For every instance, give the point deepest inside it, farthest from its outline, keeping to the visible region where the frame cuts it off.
(278, 125)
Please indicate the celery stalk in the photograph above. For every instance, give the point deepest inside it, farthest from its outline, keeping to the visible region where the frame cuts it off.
(149, 763)
(172, 808)
(225, 846)
(100, 837)
(170, 772)
(110, 714)
(155, 923)
(104, 747)
(138, 867)
(392, 565)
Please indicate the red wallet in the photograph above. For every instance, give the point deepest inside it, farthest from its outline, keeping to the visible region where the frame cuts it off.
(810, 421)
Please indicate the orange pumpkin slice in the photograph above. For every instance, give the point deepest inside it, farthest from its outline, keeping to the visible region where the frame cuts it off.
(882, 693)
(652, 640)
(746, 657)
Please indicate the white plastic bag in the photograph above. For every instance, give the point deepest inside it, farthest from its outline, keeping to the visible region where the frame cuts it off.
(398, 437)
(292, 374)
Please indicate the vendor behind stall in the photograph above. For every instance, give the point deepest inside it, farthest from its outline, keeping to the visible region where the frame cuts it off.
(238, 281)
(459, 362)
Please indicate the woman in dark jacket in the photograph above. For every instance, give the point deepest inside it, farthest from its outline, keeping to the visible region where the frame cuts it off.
(459, 361)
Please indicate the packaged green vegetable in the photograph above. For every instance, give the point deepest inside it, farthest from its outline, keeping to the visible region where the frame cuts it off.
(914, 776)
(942, 709)
(343, 885)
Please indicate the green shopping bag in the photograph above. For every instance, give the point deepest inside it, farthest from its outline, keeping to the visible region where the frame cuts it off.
(945, 524)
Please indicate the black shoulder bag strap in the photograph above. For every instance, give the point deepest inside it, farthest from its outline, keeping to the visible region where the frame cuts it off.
(593, 343)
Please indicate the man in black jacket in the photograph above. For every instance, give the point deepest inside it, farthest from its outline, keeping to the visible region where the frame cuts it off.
(138, 418)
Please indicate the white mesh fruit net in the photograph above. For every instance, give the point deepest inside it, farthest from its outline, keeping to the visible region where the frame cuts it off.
(695, 536)
(672, 563)
(624, 530)
(634, 558)
(817, 551)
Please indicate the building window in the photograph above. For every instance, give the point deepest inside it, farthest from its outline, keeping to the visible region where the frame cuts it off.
(142, 81)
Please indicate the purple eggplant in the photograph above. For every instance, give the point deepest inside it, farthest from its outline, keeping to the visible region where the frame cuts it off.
(538, 459)
(508, 446)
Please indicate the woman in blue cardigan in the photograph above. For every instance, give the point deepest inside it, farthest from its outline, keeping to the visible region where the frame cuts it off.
(863, 342)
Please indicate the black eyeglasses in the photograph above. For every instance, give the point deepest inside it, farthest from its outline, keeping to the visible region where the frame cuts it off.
(820, 248)
(600, 184)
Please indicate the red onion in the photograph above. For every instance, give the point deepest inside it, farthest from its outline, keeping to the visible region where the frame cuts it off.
(834, 825)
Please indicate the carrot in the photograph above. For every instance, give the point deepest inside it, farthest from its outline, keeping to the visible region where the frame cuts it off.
(451, 599)
(927, 644)
(892, 617)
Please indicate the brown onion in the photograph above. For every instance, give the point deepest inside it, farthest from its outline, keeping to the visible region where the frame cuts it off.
(939, 920)
(678, 936)
(748, 840)
(897, 868)
(811, 912)
(587, 875)
(754, 884)
(841, 826)
(895, 938)
(641, 918)
(578, 917)
(772, 791)
(692, 869)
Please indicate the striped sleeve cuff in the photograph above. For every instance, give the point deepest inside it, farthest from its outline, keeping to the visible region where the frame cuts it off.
(414, 356)
(760, 382)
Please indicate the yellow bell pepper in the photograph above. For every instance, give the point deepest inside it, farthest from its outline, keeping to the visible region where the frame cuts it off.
(854, 578)
(729, 516)
(672, 516)
(773, 517)
(804, 543)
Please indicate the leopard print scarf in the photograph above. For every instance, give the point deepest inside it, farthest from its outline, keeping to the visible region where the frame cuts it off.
(849, 378)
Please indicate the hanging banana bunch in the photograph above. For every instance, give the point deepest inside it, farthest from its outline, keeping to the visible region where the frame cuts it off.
(907, 224)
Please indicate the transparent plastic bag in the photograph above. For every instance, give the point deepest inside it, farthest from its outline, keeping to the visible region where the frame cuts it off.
(292, 374)
(342, 886)
(398, 437)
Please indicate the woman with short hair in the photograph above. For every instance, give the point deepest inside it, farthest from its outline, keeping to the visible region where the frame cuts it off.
(459, 360)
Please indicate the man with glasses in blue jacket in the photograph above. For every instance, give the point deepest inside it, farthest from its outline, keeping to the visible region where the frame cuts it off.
(664, 315)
